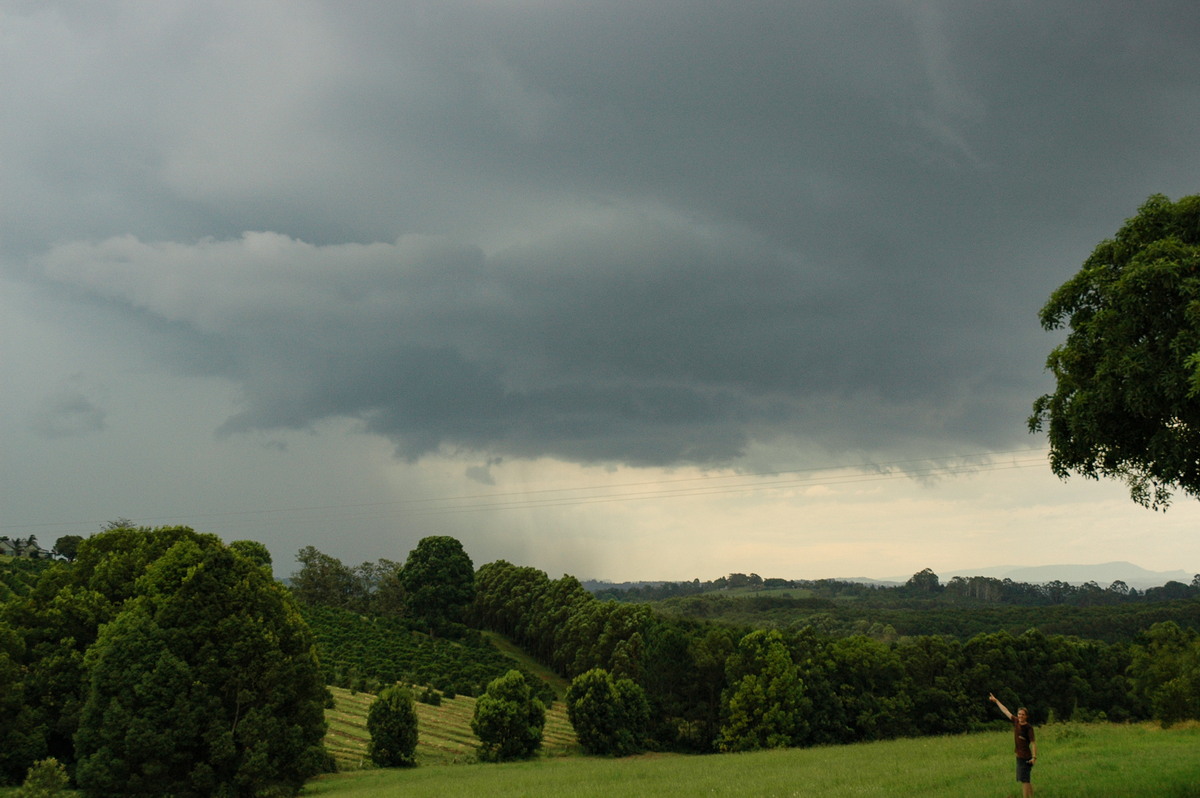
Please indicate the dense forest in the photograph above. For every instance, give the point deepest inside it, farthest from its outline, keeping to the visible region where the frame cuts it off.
(166, 657)
(159, 662)
(727, 686)
(962, 608)
(923, 585)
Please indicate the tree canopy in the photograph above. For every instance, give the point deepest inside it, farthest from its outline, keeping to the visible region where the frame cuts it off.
(508, 720)
(610, 716)
(1127, 402)
(439, 580)
(392, 723)
(162, 662)
(204, 684)
(67, 545)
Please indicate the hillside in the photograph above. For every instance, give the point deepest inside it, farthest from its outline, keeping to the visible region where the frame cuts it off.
(18, 575)
(443, 732)
(363, 652)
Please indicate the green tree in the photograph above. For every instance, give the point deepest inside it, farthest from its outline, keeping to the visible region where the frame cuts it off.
(505, 599)
(924, 581)
(60, 619)
(22, 737)
(1166, 672)
(253, 551)
(871, 688)
(325, 580)
(508, 720)
(936, 667)
(45, 779)
(67, 546)
(765, 705)
(392, 724)
(610, 716)
(204, 684)
(439, 581)
(1127, 400)
(388, 597)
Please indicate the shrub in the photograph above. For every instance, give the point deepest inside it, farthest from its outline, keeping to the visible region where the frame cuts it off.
(392, 723)
(508, 720)
(610, 717)
(46, 777)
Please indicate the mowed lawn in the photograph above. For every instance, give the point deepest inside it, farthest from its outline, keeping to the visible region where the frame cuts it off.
(1076, 761)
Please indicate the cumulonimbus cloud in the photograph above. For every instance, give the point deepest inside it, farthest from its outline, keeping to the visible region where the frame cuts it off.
(636, 341)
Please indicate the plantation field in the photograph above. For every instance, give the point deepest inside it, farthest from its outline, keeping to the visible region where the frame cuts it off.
(1075, 761)
(444, 734)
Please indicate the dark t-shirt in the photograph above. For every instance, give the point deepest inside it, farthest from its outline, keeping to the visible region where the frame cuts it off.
(1022, 737)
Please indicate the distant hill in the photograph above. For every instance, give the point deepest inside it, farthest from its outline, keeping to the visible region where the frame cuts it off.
(593, 585)
(1103, 574)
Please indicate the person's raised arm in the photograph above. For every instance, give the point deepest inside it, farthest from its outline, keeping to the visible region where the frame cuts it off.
(1003, 708)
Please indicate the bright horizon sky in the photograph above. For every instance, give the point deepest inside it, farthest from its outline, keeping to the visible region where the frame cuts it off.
(622, 290)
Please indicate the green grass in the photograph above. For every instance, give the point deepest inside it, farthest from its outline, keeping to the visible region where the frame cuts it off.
(511, 650)
(1076, 761)
(444, 735)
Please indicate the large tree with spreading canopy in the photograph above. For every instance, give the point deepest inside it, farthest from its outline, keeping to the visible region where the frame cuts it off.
(1127, 402)
(439, 581)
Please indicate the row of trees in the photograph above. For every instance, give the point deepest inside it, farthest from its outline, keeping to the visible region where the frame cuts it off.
(1053, 592)
(711, 687)
(161, 662)
(431, 590)
(922, 585)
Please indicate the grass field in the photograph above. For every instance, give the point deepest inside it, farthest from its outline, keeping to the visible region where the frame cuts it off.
(1076, 761)
(510, 649)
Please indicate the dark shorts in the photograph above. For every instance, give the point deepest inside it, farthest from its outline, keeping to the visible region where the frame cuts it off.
(1024, 770)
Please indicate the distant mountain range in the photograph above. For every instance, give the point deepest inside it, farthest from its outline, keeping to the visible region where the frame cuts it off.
(1103, 574)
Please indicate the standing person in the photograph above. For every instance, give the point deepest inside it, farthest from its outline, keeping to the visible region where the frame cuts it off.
(1025, 744)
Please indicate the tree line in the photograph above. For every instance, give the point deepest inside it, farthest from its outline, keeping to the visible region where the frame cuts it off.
(166, 662)
(922, 585)
(888, 621)
(712, 687)
(430, 590)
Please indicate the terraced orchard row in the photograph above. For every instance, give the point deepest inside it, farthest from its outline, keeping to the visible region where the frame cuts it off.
(366, 653)
(443, 732)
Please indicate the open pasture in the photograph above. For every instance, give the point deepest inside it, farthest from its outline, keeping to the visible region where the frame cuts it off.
(1076, 761)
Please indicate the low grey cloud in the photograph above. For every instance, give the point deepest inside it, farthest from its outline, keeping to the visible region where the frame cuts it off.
(68, 413)
(641, 233)
(637, 341)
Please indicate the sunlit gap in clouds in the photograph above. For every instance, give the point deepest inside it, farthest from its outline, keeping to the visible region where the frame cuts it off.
(531, 497)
